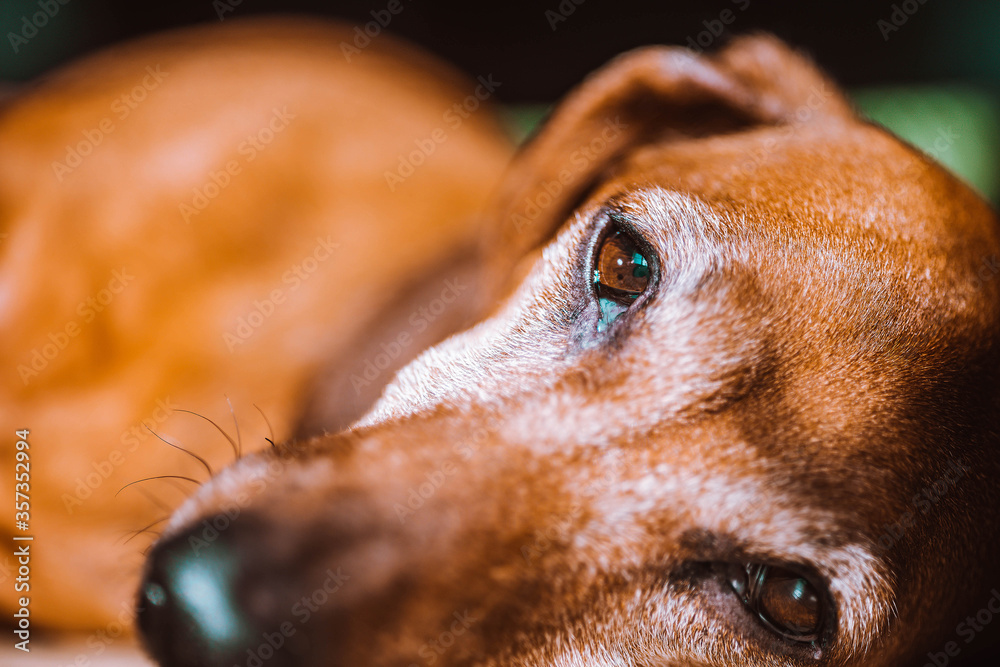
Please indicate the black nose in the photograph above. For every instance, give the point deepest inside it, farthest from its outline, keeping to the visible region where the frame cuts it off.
(208, 599)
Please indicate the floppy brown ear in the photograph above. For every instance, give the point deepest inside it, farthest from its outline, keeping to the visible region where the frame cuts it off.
(650, 95)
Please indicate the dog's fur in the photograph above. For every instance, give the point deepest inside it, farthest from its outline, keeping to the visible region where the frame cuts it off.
(818, 347)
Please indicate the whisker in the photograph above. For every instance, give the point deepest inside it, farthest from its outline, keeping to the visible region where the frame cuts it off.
(239, 440)
(176, 485)
(232, 442)
(145, 529)
(269, 427)
(146, 479)
(186, 451)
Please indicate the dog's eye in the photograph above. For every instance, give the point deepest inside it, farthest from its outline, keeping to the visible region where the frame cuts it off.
(786, 602)
(621, 275)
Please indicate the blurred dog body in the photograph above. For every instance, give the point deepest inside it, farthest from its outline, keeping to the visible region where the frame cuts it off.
(203, 215)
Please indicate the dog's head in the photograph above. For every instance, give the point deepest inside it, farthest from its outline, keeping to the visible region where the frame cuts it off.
(737, 406)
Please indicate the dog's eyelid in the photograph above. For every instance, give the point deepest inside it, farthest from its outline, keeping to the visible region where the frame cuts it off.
(622, 268)
(626, 223)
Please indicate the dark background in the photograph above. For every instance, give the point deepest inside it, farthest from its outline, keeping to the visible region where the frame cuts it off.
(940, 40)
(927, 69)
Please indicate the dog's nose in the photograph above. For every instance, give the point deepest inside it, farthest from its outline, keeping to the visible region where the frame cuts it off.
(200, 606)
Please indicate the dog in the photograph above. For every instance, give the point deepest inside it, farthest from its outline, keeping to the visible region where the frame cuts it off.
(727, 398)
(731, 400)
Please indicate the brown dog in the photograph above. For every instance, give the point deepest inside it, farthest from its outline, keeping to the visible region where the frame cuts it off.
(737, 406)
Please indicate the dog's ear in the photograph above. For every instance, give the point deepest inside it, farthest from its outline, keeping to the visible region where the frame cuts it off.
(653, 94)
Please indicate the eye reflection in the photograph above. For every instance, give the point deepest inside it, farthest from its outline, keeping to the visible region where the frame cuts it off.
(786, 602)
(621, 275)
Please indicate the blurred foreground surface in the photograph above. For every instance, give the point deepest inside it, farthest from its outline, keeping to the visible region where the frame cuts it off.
(76, 651)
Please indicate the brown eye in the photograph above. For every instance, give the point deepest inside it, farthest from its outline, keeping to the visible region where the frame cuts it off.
(784, 600)
(621, 275)
(622, 271)
(789, 602)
